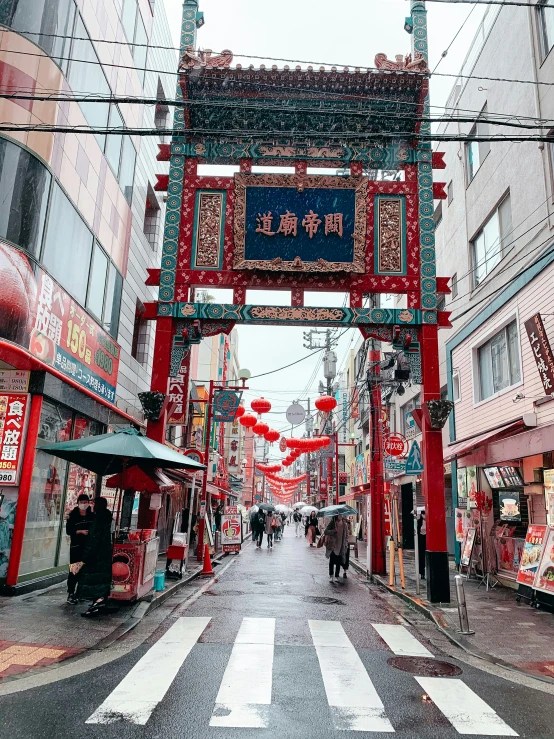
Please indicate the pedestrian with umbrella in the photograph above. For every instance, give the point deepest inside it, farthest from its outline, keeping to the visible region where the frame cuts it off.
(335, 537)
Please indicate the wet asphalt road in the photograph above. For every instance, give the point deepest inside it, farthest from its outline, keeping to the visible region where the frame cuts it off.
(308, 693)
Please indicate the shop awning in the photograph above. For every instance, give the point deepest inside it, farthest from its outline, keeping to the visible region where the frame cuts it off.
(153, 481)
(463, 448)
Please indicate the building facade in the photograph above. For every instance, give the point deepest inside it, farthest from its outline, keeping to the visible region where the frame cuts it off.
(80, 224)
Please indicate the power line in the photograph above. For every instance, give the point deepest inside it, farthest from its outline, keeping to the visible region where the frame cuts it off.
(458, 32)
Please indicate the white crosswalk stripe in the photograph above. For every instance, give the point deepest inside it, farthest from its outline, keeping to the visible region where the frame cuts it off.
(353, 700)
(244, 697)
(400, 641)
(466, 711)
(138, 694)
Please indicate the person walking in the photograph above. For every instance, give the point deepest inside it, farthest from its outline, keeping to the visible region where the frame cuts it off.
(95, 577)
(260, 528)
(77, 528)
(336, 545)
(421, 542)
(297, 518)
(217, 517)
(311, 530)
(270, 526)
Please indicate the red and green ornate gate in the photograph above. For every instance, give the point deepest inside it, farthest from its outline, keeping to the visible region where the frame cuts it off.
(305, 231)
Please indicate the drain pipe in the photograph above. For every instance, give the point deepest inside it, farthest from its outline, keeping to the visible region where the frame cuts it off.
(462, 606)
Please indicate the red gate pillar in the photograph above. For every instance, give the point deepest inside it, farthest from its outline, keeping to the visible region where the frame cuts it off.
(438, 583)
(377, 492)
(148, 519)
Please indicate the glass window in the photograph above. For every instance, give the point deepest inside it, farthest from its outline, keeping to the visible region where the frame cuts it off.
(489, 242)
(97, 283)
(44, 514)
(24, 188)
(476, 151)
(547, 27)
(113, 143)
(113, 302)
(499, 364)
(455, 386)
(128, 17)
(45, 22)
(454, 285)
(450, 192)
(140, 50)
(86, 76)
(68, 246)
(127, 170)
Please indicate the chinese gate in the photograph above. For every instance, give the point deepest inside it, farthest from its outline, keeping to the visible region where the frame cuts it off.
(305, 231)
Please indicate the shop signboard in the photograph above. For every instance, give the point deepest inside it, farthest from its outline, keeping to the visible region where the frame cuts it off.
(13, 419)
(509, 506)
(463, 522)
(177, 390)
(360, 475)
(532, 554)
(231, 530)
(462, 482)
(467, 547)
(544, 578)
(225, 405)
(549, 495)
(540, 346)
(14, 381)
(395, 465)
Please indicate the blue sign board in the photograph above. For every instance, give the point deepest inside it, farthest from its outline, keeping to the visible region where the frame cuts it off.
(285, 223)
(393, 464)
(414, 463)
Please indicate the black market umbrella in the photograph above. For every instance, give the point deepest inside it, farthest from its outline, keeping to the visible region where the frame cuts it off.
(109, 454)
(266, 507)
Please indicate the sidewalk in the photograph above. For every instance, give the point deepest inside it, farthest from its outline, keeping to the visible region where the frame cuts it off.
(40, 629)
(506, 632)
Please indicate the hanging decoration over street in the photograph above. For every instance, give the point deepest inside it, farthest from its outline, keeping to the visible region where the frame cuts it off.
(326, 403)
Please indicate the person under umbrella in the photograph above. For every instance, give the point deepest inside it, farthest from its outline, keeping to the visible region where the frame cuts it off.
(95, 577)
(312, 530)
(77, 528)
(336, 545)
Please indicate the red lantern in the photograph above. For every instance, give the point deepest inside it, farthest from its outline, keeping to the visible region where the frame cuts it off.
(260, 406)
(260, 428)
(241, 410)
(272, 435)
(324, 441)
(248, 420)
(325, 403)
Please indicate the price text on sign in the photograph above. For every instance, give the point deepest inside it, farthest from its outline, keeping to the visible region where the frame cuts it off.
(396, 446)
(13, 415)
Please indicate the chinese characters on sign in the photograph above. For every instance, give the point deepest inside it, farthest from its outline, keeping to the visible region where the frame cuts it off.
(541, 351)
(176, 391)
(13, 414)
(14, 381)
(288, 225)
(66, 337)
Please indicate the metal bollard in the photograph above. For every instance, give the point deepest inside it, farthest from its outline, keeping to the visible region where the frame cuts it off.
(462, 606)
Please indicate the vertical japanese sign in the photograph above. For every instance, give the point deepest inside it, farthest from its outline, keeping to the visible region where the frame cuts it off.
(66, 337)
(13, 416)
(344, 419)
(542, 352)
(234, 451)
(177, 391)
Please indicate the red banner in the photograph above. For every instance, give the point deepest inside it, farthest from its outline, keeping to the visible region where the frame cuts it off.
(13, 416)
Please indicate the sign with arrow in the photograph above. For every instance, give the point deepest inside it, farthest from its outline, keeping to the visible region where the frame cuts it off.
(414, 463)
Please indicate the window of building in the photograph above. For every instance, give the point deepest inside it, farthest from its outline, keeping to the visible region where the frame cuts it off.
(24, 190)
(135, 32)
(441, 302)
(97, 282)
(112, 304)
(152, 219)
(139, 347)
(437, 215)
(454, 285)
(499, 362)
(489, 243)
(450, 192)
(127, 168)
(456, 386)
(476, 151)
(546, 22)
(68, 246)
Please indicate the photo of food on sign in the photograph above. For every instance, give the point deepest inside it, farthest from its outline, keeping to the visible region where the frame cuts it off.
(494, 477)
(545, 575)
(509, 506)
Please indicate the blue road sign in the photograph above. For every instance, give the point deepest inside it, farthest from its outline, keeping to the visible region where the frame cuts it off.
(414, 463)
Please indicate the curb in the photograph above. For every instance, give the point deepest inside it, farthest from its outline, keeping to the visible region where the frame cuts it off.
(441, 624)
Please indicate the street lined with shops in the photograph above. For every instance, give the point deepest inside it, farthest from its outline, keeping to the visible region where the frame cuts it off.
(272, 646)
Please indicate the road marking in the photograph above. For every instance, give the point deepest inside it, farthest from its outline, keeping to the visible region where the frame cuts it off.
(140, 691)
(466, 711)
(244, 695)
(400, 641)
(353, 700)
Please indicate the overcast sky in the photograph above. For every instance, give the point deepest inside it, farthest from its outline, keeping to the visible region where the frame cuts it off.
(349, 33)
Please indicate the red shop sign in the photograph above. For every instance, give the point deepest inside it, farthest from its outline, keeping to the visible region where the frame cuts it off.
(13, 417)
(396, 445)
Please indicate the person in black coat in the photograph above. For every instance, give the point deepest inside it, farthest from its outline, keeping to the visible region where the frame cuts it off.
(77, 528)
(95, 578)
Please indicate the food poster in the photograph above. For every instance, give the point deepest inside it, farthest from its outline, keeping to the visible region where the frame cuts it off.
(462, 483)
(472, 486)
(511, 477)
(509, 553)
(463, 522)
(467, 547)
(532, 553)
(494, 477)
(509, 506)
(544, 578)
(231, 532)
(549, 495)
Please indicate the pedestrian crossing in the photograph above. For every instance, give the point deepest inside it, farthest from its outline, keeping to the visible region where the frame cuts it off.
(246, 692)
